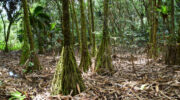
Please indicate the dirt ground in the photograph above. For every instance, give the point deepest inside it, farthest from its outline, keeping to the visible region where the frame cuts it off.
(136, 78)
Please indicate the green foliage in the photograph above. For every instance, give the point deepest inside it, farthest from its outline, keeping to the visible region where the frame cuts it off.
(53, 25)
(17, 96)
(20, 37)
(163, 9)
(20, 33)
(12, 47)
(39, 18)
(29, 68)
(31, 64)
(172, 39)
(38, 10)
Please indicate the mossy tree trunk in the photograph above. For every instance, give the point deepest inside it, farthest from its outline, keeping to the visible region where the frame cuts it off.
(67, 77)
(7, 36)
(72, 25)
(93, 29)
(85, 57)
(170, 58)
(150, 24)
(89, 23)
(104, 60)
(33, 56)
(153, 31)
(178, 47)
(25, 49)
(76, 24)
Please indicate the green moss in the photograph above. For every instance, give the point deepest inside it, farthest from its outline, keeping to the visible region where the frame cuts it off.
(67, 78)
(33, 55)
(35, 60)
(85, 61)
(103, 59)
(94, 49)
(178, 47)
(25, 53)
(56, 82)
(85, 57)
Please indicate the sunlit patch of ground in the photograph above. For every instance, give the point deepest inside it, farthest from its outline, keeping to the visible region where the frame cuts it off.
(136, 78)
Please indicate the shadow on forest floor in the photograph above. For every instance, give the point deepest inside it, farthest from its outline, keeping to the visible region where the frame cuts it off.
(136, 78)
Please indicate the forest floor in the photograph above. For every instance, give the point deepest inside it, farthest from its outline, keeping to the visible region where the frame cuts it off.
(136, 78)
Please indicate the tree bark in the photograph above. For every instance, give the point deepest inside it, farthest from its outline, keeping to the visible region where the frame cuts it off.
(90, 23)
(103, 60)
(178, 47)
(93, 29)
(67, 77)
(85, 57)
(171, 53)
(7, 37)
(25, 54)
(76, 25)
(34, 57)
(153, 21)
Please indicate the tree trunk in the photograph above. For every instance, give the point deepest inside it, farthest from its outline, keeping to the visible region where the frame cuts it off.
(7, 37)
(72, 25)
(153, 21)
(155, 26)
(85, 57)
(103, 60)
(178, 47)
(90, 23)
(170, 58)
(93, 29)
(34, 57)
(76, 25)
(25, 49)
(67, 77)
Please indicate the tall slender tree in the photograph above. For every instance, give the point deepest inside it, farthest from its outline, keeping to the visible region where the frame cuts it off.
(178, 47)
(85, 57)
(104, 60)
(67, 77)
(93, 28)
(25, 48)
(153, 21)
(154, 30)
(89, 23)
(76, 24)
(170, 58)
(33, 56)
